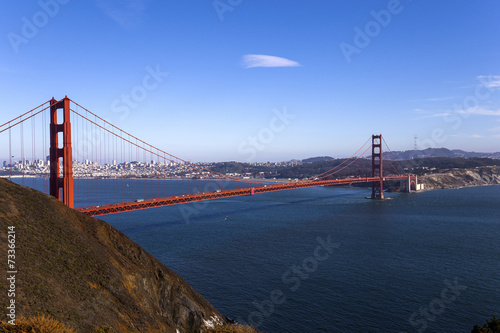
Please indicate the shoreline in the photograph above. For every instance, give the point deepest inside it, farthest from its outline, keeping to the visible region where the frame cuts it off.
(459, 178)
(455, 187)
(447, 179)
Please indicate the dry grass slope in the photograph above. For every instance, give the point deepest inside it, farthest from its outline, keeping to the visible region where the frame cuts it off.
(45, 324)
(42, 324)
(233, 328)
(86, 274)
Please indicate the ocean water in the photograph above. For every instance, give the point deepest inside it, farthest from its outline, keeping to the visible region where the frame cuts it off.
(326, 259)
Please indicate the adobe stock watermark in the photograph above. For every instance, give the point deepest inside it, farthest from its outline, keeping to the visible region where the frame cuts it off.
(223, 6)
(460, 111)
(253, 144)
(195, 208)
(449, 294)
(292, 280)
(373, 28)
(139, 93)
(31, 26)
(87, 146)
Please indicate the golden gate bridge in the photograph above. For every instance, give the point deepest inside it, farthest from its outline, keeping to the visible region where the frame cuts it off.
(77, 136)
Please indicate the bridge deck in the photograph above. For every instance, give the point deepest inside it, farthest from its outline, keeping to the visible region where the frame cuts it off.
(179, 199)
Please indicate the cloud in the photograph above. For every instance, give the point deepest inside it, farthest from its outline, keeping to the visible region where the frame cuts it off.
(495, 129)
(438, 99)
(127, 13)
(481, 112)
(420, 111)
(434, 115)
(490, 81)
(260, 60)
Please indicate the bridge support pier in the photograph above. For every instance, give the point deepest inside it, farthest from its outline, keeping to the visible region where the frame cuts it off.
(377, 169)
(410, 184)
(65, 153)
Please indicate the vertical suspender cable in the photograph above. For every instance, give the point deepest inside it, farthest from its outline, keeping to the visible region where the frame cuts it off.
(44, 149)
(165, 176)
(104, 166)
(74, 141)
(10, 153)
(22, 150)
(158, 175)
(33, 150)
(120, 142)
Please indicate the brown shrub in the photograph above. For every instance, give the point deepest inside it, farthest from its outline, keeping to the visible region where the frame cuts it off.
(233, 328)
(42, 324)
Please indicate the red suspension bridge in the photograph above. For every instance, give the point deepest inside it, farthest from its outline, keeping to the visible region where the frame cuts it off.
(84, 147)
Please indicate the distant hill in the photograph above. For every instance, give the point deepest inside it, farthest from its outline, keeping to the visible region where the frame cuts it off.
(414, 154)
(87, 275)
(317, 159)
(438, 152)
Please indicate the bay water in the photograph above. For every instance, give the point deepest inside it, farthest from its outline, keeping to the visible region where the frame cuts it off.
(326, 259)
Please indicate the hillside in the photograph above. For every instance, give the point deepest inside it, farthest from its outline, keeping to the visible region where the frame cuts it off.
(439, 152)
(317, 159)
(453, 178)
(86, 274)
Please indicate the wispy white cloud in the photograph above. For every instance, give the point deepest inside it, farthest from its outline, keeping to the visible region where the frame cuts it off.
(495, 129)
(437, 99)
(127, 13)
(490, 81)
(479, 111)
(434, 115)
(477, 136)
(260, 60)
(420, 111)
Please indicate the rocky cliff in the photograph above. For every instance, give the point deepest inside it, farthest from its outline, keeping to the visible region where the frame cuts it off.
(86, 274)
(454, 178)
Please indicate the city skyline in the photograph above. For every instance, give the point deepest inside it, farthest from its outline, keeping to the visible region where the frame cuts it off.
(258, 81)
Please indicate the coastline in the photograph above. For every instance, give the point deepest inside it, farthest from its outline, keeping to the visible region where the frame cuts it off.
(459, 178)
(446, 179)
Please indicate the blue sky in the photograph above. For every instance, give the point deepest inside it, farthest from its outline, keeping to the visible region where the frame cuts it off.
(263, 80)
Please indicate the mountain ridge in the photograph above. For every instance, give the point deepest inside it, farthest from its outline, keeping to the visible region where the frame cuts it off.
(439, 152)
(414, 154)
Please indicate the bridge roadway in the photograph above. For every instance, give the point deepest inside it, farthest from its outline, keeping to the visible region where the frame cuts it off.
(180, 199)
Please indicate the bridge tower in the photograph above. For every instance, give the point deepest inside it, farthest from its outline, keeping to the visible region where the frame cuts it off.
(377, 170)
(65, 153)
